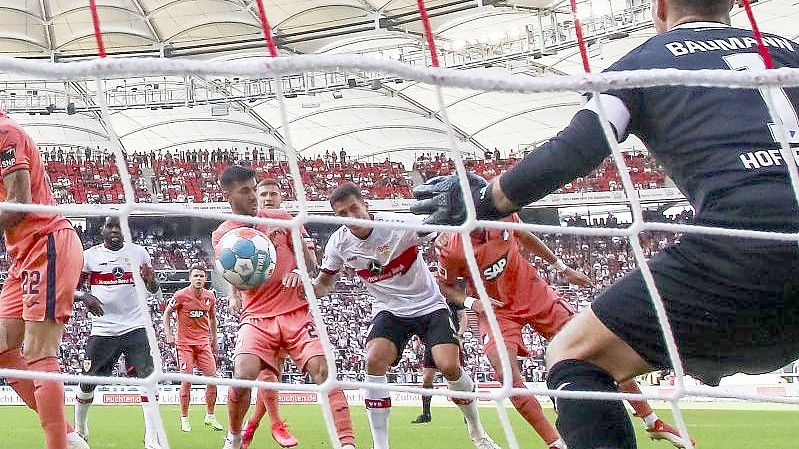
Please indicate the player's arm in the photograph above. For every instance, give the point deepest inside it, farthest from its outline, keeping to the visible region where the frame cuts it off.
(455, 293)
(83, 294)
(18, 190)
(573, 153)
(332, 263)
(212, 326)
(234, 298)
(324, 283)
(170, 335)
(532, 243)
(150, 282)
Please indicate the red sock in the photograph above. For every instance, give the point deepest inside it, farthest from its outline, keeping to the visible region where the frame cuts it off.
(50, 401)
(12, 359)
(238, 401)
(185, 397)
(210, 398)
(642, 408)
(341, 416)
(266, 402)
(530, 409)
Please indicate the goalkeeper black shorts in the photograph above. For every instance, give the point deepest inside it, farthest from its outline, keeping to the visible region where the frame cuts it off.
(733, 305)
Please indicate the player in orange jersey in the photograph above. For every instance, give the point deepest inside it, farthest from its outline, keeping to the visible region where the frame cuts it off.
(37, 297)
(270, 196)
(274, 316)
(519, 297)
(196, 341)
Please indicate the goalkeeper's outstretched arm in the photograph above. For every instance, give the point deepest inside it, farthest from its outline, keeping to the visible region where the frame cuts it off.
(574, 152)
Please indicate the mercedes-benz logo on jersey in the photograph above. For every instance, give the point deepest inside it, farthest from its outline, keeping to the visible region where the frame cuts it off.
(374, 266)
(118, 272)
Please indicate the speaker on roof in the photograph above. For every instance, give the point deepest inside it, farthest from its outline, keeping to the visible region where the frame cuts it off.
(70, 108)
(351, 82)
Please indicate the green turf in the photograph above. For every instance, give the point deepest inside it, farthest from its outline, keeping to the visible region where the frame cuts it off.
(120, 427)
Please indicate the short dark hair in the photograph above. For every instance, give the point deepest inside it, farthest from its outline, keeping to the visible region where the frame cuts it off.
(345, 191)
(197, 266)
(235, 173)
(268, 182)
(707, 8)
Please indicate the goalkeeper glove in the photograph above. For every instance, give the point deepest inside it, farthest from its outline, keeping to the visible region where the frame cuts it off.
(440, 197)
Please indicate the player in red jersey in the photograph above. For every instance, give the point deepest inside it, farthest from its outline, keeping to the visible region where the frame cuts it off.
(519, 297)
(196, 341)
(270, 196)
(274, 316)
(38, 295)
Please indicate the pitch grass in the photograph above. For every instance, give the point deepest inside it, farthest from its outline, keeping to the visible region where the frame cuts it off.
(120, 427)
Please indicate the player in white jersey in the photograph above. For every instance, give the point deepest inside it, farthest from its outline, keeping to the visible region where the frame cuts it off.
(407, 302)
(118, 322)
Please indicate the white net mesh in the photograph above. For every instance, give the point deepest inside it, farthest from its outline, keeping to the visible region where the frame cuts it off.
(122, 67)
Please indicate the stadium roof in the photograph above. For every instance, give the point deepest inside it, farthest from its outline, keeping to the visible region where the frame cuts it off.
(363, 113)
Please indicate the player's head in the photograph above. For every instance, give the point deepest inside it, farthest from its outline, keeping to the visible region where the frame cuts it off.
(197, 276)
(112, 233)
(269, 194)
(347, 201)
(668, 13)
(238, 185)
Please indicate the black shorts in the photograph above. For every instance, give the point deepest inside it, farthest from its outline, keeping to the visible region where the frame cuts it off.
(103, 352)
(733, 306)
(433, 329)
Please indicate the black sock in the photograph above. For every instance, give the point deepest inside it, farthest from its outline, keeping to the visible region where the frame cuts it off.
(588, 423)
(426, 404)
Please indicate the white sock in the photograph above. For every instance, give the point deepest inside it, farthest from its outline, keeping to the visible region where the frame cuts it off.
(152, 415)
(559, 443)
(650, 419)
(82, 403)
(378, 407)
(464, 383)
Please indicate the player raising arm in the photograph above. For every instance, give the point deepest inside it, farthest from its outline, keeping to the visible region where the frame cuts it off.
(407, 302)
(274, 316)
(519, 297)
(196, 341)
(37, 297)
(724, 316)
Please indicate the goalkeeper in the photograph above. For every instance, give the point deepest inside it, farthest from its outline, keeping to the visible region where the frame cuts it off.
(732, 303)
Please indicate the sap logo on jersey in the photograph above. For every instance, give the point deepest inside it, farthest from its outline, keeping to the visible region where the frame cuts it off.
(196, 313)
(495, 269)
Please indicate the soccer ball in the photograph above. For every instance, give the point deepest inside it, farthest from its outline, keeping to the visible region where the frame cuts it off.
(245, 257)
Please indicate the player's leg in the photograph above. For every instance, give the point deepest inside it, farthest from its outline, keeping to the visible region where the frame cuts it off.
(305, 347)
(101, 355)
(428, 376)
(207, 364)
(186, 362)
(655, 427)
(11, 334)
(51, 271)
(527, 406)
(263, 403)
(257, 345)
(137, 354)
(436, 331)
(387, 334)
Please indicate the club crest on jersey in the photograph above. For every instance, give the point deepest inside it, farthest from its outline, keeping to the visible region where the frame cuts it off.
(8, 157)
(495, 269)
(118, 272)
(383, 249)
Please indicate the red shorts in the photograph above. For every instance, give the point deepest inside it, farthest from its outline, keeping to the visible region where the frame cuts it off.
(293, 332)
(41, 285)
(547, 322)
(199, 356)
